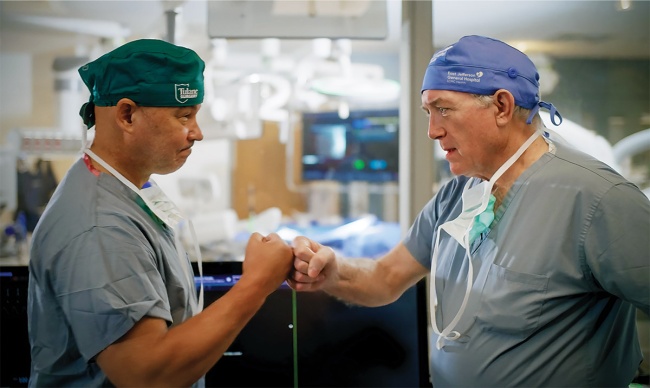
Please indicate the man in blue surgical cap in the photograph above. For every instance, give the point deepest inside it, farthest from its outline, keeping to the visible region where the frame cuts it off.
(537, 253)
(111, 297)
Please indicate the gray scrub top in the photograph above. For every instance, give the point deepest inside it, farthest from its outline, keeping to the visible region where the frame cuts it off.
(557, 279)
(99, 263)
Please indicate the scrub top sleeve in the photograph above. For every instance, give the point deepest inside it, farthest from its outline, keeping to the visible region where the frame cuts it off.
(418, 239)
(106, 280)
(617, 245)
(443, 206)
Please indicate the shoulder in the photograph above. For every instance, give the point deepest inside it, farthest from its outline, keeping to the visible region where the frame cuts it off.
(578, 182)
(84, 205)
(569, 173)
(443, 205)
(450, 194)
(570, 163)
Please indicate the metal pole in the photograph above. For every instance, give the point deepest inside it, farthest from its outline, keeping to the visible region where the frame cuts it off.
(171, 25)
(417, 169)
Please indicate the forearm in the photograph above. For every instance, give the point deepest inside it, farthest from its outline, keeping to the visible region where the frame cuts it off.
(182, 355)
(206, 337)
(366, 282)
(363, 282)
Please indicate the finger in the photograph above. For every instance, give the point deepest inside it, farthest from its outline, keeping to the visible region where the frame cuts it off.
(256, 237)
(302, 278)
(273, 237)
(303, 252)
(302, 242)
(300, 266)
(319, 261)
(298, 286)
(299, 277)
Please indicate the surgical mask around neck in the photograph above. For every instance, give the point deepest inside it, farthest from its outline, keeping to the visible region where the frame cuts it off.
(476, 203)
(161, 205)
(475, 218)
(167, 212)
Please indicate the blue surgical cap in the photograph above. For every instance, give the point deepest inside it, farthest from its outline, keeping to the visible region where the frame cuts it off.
(482, 65)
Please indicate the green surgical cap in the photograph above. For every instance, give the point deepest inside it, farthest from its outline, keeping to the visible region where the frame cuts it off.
(148, 71)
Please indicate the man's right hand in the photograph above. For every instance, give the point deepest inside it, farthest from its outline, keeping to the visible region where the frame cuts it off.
(314, 265)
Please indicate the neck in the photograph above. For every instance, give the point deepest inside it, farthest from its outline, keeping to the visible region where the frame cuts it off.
(530, 156)
(113, 160)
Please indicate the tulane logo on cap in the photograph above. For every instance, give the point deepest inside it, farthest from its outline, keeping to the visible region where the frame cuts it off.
(184, 93)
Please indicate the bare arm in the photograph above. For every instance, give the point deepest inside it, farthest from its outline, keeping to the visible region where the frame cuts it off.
(151, 354)
(365, 282)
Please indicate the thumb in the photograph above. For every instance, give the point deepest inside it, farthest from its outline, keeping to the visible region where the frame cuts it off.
(318, 262)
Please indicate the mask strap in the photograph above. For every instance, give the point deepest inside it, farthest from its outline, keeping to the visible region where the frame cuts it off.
(85, 144)
(125, 181)
(514, 157)
(448, 332)
(197, 252)
(550, 107)
(113, 171)
(182, 254)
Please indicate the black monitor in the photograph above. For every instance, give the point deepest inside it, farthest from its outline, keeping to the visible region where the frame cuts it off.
(314, 340)
(361, 147)
(295, 340)
(15, 360)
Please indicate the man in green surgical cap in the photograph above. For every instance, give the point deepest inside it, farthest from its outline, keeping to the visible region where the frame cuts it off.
(111, 297)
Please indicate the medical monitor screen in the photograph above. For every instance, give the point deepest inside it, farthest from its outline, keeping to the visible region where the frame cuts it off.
(15, 360)
(314, 340)
(262, 353)
(362, 147)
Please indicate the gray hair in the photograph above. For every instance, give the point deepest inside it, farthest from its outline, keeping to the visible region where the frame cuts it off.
(521, 113)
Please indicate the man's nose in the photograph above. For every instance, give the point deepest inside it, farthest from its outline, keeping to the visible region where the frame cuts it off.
(435, 130)
(195, 132)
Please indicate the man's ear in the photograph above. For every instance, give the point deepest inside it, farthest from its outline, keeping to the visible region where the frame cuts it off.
(125, 108)
(505, 103)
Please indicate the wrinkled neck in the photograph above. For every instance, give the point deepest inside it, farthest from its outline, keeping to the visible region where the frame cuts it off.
(527, 154)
